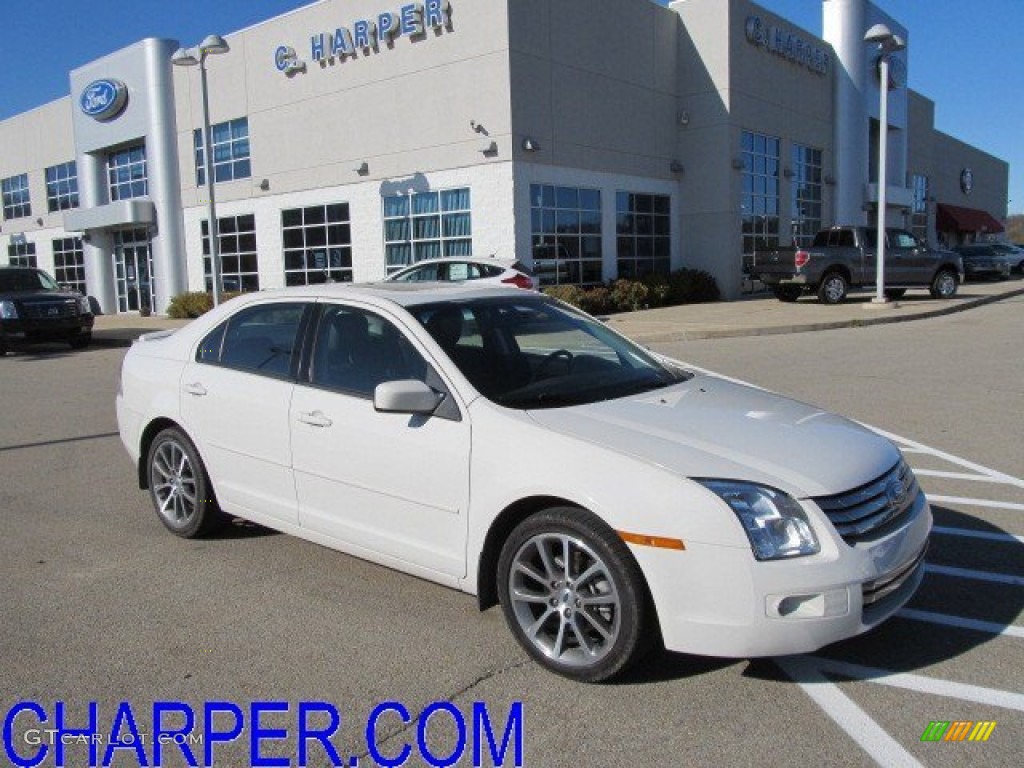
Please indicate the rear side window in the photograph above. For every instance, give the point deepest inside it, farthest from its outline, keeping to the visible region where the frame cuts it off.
(846, 238)
(260, 339)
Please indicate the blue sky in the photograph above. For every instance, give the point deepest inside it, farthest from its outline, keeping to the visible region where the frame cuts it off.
(978, 86)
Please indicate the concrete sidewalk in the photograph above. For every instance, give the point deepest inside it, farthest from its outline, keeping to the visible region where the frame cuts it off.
(748, 317)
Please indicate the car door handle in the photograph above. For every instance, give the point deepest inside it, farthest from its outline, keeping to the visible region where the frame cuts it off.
(196, 389)
(315, 419)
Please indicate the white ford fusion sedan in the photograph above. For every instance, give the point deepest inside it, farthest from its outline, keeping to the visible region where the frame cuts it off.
(504, 444)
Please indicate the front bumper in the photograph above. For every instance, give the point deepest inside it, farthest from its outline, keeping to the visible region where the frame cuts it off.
(720, 601)
(29, 331)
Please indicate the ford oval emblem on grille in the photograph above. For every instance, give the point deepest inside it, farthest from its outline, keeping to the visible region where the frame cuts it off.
(103, 99)
(896, 493)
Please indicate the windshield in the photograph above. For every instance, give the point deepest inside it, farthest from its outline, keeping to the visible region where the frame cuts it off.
(532, 352)
(26, 280)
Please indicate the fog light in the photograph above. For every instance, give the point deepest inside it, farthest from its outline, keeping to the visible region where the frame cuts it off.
(817, 605)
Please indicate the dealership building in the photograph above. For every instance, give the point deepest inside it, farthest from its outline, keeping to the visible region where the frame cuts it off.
(593, 139)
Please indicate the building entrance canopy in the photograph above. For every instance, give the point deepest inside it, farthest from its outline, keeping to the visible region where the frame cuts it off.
(954, 217)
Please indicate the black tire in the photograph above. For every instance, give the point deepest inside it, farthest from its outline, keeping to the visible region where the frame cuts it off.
(944, 284)
(614, 631)
(895, 294)
(81, 341)
(833, 288)
(180, 487)
(787, 293)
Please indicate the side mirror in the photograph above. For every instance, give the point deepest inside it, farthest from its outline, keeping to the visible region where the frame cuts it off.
(406, 396)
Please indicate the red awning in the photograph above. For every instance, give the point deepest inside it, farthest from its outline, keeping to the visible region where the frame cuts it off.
(953, 217)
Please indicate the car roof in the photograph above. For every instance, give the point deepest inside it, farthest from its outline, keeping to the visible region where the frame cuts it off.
(503, 261)
(403, 294)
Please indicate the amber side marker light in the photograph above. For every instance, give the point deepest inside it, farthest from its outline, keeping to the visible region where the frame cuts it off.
(643, 540)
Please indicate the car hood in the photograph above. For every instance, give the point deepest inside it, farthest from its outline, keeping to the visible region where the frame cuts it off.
(710, 427)
(41, 294)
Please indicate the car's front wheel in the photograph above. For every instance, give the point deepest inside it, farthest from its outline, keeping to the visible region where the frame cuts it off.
(81, 341)
(179, 486)
(573, 595)
(944, 284)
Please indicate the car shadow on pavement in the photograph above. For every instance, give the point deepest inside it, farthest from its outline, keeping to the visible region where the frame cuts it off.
(238, 528)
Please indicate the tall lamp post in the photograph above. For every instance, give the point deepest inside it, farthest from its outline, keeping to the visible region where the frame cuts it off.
(888, 44)
(189, 57)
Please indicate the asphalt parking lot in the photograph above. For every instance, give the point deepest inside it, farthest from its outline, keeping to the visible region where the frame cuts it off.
(101, 605)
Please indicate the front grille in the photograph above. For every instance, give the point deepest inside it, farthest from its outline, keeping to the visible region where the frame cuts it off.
(50, 310)
(885, 585)
(864, 510)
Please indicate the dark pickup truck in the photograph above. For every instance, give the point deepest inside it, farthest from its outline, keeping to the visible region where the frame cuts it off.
(33, 308)
(842, 258)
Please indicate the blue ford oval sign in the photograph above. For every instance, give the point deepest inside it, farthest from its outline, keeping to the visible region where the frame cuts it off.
(103, 99)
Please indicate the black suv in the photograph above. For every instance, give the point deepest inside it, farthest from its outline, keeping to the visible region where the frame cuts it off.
(33, 308)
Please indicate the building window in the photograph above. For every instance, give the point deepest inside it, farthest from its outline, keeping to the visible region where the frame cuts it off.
(759, 204)
(21, 254)
(806, 194)
(15, 196)
(566, 227)
(69, 263)
(643, 231)
(126, 173)
(239, 267)
(62, 187)
(919, 208)
(230, 151)
(427, 225)
(317, 244)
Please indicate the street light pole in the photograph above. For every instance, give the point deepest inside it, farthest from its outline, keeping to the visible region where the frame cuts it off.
(212, 44)
(888, 43)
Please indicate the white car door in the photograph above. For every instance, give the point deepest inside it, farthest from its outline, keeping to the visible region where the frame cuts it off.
(392, 487)
(235, 396)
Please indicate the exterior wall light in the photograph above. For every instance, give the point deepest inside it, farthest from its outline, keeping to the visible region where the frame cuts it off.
(675, 167)
(530, 145)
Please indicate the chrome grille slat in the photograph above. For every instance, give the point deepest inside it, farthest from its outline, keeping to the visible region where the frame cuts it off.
(861, 510)
(41, 310)
(880, 588)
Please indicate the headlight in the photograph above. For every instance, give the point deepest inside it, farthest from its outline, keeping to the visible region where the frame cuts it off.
(775, 523)
(83, 305)
(8, 311)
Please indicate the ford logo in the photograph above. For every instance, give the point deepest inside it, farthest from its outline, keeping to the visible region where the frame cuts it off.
(103, 99)
(896, 495)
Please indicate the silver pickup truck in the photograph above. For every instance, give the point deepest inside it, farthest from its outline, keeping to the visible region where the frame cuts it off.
(842, 258)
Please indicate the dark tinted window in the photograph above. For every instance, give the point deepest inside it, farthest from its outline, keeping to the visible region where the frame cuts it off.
(356, 350)
(260, 339)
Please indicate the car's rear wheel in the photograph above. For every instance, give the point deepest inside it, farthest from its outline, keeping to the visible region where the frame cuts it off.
(944, 284)
(573, 595)
(787, 293)
(833, 288)
(179, 486)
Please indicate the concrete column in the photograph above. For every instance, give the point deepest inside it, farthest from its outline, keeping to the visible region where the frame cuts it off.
(844, 23)
(97, 246)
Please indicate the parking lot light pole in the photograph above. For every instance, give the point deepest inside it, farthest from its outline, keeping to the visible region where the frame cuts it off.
(888, 43)
(189, 57)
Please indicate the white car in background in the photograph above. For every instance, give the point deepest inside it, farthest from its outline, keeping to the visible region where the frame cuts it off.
(502, 443)
(486, 271)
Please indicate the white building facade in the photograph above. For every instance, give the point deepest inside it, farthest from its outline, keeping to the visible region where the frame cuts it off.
(593, 139)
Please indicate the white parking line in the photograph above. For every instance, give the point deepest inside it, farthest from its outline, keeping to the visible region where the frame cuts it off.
(977, 502)
(1003, 538)
(988, 696)
(859, 726)
(958, 476)
(988, 627)
(968, 573)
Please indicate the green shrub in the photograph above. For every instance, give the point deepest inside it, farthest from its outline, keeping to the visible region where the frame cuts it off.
(629, 295)
(190, 305)
(657, 289)
(569, 293)
(692, 286)
(597, 301)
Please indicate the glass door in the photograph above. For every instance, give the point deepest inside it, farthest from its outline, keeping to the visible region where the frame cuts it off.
(133, 270)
